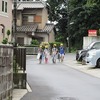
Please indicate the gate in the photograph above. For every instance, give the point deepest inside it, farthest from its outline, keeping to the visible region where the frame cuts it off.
(19, 68)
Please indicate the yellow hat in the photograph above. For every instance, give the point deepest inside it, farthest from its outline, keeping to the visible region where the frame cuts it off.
(46, 46)
(40, 46)
(54, 44)
(61, 44)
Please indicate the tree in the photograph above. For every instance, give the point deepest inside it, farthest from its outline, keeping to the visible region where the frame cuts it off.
(83, 14)
(58, 13)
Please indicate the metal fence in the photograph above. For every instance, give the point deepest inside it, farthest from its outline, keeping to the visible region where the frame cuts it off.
(6, 72)
(19, 67)
(20, 58)
(31, 50)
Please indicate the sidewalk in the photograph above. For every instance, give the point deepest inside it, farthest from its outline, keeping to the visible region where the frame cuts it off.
(69, 61)
(19, 93)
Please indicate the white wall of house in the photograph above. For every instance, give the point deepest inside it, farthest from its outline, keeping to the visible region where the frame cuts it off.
(89, 39)
(6, 19)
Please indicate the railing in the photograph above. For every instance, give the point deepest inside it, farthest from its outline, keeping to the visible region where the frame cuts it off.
(20, 59)
(6, 72)
(31, 50)
(19, 75)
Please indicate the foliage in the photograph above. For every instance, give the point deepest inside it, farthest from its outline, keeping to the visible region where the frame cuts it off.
(8, 32)
(85, 15)
(5, 41)
(34, 42)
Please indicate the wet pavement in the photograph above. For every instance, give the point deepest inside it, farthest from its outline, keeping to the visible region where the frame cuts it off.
(50, 93)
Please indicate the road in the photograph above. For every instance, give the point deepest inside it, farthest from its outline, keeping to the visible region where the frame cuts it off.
(59, 82)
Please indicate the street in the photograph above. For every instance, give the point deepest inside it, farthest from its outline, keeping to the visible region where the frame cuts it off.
(59, 82)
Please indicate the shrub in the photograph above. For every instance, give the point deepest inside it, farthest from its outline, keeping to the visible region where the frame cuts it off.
(5, 41)
(8, 32)
(34, 42)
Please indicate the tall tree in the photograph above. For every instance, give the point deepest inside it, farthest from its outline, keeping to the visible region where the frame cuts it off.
(58, 13)
(83, 15)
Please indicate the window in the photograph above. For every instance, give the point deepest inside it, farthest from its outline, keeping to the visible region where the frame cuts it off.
(30, 18)
(96, 45)
(4, 6)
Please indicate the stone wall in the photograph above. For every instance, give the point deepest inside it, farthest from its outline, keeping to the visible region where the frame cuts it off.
(6, 72)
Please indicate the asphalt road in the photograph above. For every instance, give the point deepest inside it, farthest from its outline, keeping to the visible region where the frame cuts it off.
(59, 82)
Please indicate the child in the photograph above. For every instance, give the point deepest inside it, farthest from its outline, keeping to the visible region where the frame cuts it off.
(54, 53)
(40, 54)
(46, 54)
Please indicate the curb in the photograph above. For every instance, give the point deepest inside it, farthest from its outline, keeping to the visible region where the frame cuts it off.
(19, 93)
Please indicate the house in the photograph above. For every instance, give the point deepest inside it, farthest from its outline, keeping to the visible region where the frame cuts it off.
(32, 18)
(5, 19)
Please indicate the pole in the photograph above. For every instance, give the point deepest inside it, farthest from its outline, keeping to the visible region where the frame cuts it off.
(68, 28)
(15, 20)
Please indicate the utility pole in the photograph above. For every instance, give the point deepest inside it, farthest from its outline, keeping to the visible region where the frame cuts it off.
(68, 27)
(15, 20)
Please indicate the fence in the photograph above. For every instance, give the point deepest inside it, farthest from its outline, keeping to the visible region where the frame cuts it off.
(6, 72)
(31, 50)
(19, 75)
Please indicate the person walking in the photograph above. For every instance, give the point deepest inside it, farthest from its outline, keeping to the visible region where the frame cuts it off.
(54, 53)
(46, 54)
(40, 54)
(61, 52)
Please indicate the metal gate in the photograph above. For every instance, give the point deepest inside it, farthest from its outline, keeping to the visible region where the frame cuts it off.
(19, 67)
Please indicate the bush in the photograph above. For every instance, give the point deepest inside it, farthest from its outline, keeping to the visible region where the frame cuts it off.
(8, 32)
(5, 41)
(34, 42)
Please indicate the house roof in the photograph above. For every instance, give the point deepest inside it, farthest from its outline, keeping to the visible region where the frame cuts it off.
(33, 28)
(48, 28)
(31, 4)
(27, 28)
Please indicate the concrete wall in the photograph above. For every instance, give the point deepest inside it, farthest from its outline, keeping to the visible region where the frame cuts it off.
(88, 40)
(44, 17)
(6, 19)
